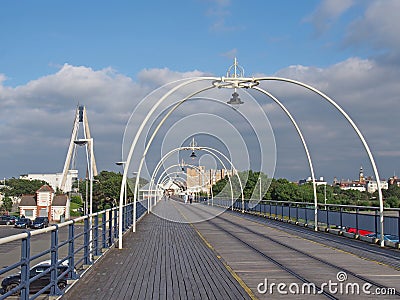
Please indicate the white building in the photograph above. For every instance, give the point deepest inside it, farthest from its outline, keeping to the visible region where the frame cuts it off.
(54, 180)
(45, 203)
(352, 186)
(372, 185)
(319, 181)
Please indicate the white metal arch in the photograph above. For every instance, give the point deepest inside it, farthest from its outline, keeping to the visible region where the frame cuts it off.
(181, 172)
(305, 149)
(131, 149)
(360, 135)
(237, 82)
(208, 150)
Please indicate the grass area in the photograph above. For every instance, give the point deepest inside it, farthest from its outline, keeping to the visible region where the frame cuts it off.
(74, 209)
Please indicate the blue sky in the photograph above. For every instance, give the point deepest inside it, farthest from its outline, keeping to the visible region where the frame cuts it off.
(38, 37)
(109, 55)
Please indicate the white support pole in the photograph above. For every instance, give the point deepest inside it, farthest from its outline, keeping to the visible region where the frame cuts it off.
(360, 135)
(91, 199)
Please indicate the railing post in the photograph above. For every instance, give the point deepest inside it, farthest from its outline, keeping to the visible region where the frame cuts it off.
(289, 215)
(306, 214)
(263, 209)
(357, 212)
(116, 223)
(376, 222)
(86, 254)
(124, 218)
(103, 230)
(96, 236)
(128, 216)
(297, 213)
(327, 208)
(54, 290)
(270, 209)
(25, 259)
(398, 225)
(341, 218)
(71, 251)
(110, 233)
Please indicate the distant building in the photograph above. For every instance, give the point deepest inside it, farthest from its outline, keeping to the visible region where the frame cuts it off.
(319, 181)
(394, 180)
(372, 186)
(362, 184)
(44, 203)
(352, 185)
(200, 179)
(54, 180)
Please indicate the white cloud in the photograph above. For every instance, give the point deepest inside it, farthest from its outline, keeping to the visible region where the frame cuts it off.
(220, 13)
(377, 28)
(327, 12)
(36, 118)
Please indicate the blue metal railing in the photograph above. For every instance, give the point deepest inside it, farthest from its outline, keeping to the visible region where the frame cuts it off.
(360, 219)
(78, 250)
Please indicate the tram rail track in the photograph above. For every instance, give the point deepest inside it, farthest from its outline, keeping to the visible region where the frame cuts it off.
(232, 226)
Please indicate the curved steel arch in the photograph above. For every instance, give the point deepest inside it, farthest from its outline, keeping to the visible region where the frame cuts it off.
(241, 82)
(305, 149)
(181, 172)
(133, 145)
(193, 166)
(208, 150)
(261, 90)
(360, 135)
(174, 166)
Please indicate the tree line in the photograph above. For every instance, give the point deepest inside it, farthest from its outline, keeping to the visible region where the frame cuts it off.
(106, 191)
(283, 190)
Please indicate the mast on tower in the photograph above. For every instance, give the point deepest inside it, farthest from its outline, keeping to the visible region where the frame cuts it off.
(80, 117)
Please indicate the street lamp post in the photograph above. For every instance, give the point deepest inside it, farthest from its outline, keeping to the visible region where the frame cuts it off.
(122, 163)
(82, 142)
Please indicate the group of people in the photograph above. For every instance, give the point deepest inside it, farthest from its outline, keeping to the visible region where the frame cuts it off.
(188, 197)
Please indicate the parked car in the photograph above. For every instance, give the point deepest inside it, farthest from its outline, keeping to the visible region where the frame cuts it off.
(40, 222)
(7, 220)
(14, 219)
(13, 281)
(387, 237)
(23, 223)
(360, 231)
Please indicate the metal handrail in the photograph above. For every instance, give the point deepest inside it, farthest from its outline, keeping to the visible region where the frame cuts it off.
(80, 255)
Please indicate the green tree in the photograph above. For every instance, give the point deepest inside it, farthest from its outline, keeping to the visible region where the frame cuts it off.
(250, 183)
(76, 199)
(392, 201)
(106, 189)
(7, 204)
(18, 187)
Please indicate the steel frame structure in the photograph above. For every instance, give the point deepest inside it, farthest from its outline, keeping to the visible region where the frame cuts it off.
(235, 79)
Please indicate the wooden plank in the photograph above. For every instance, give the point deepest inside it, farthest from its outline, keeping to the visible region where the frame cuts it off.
(162, 260)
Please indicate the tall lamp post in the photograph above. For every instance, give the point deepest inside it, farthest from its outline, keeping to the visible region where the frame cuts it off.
(122, 163)
(82, 142)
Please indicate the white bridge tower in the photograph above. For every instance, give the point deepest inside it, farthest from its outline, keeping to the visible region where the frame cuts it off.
(80, 117)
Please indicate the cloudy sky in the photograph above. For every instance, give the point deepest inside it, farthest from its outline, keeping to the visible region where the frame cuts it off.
(109, 56)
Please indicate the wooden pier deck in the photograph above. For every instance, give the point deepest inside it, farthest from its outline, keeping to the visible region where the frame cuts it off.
(195, 251)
